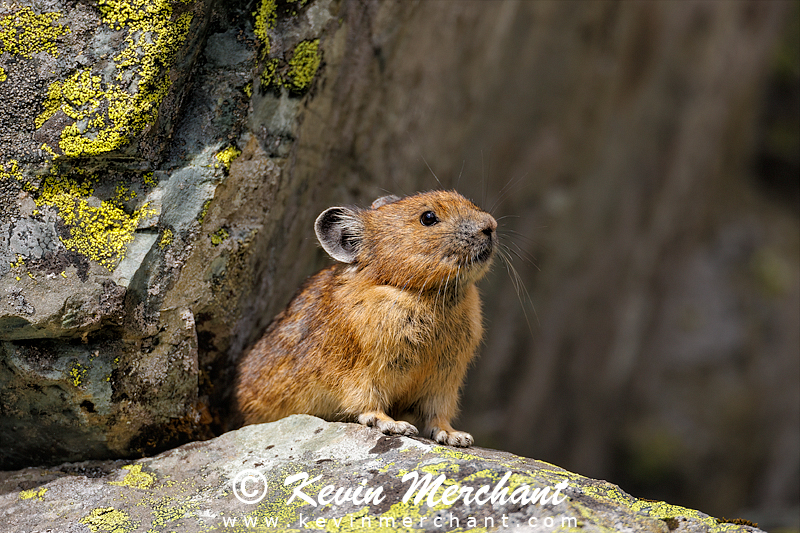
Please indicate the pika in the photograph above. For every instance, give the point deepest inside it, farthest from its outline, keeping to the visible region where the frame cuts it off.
(386, 334)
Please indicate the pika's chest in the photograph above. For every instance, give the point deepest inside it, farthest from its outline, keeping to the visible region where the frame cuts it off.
(407, 332)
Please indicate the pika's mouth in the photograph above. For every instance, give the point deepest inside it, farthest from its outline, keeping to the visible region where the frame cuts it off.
(484, 254)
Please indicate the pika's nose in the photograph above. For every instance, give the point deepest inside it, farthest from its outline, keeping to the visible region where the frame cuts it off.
(490, 226)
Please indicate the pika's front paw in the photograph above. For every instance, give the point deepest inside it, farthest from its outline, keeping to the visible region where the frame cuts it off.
(387, 425)
(452, 438)
(397, 428)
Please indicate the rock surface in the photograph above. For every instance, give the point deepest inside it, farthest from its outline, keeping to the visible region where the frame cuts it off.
(134, 198)
(190, 489)
(162, 163)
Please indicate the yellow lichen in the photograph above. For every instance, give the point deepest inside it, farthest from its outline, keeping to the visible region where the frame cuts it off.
(46, 148)
(167, 510)
(51, 105)
(204, 211)
(136, 478)
(450, 453)
(33, 493)
(108, 113)
(123, 194)
(772, 272)
(227, 156)
(266, 17)
(19, 263)
(10, 170)
(166, 239)
(269, 76)
(77, 372)
(3, 75)
(303, 66)
(149, 180)
(219, 236)
(99, 233)
(666, 511)
(108, 519)
(25, 33)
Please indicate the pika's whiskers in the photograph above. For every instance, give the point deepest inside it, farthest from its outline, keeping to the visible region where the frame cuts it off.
(518, 284)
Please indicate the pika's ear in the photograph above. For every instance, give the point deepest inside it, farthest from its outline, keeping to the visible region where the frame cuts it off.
(383, 200)
(339, 231)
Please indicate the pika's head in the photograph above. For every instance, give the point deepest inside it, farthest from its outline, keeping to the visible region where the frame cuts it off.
(427, 240)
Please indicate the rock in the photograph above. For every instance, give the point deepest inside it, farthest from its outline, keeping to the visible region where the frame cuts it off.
(107, 177)
(191, 489)
(157, 205)
(90, 93)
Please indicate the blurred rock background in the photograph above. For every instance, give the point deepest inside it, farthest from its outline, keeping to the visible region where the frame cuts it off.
(162, 165)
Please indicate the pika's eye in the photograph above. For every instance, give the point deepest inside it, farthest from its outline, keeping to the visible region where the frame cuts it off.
(428, 218)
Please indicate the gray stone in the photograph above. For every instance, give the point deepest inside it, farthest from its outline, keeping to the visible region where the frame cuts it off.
(198, 487)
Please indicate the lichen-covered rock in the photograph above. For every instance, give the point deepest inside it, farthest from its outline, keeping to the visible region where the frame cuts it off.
(332, 477)
(158, 187)
(107, 177)
(90, 94)
(89, 97)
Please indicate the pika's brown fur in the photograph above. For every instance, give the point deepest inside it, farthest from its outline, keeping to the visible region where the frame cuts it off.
(387, 333)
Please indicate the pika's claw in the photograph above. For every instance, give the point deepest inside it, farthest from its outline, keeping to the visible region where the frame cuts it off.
(452, 438)
(387, 425)
(397, 428)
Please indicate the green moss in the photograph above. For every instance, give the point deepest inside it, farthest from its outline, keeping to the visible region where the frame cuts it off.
(108, 519)
(303, 66)
(24, 33)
